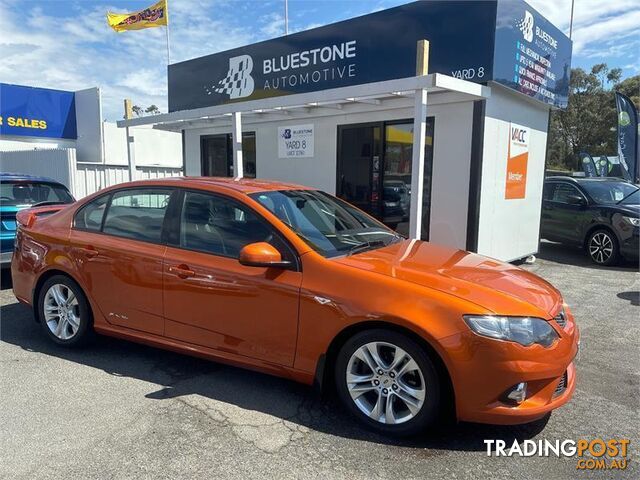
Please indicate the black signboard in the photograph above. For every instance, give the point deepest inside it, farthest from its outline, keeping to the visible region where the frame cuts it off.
(372, 48)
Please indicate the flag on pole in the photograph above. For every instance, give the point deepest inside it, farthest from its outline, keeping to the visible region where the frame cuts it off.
(628, 128)
(156, 15)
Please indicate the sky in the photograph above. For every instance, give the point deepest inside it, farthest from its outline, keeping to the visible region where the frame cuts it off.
(67, 45)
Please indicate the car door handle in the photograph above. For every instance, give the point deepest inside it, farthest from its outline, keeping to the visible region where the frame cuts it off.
(181, 271)
(89, 251)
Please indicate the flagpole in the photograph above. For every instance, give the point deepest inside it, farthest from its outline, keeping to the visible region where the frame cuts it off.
(286, 17)
(166, 6)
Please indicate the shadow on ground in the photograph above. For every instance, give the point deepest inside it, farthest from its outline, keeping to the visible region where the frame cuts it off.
(178, 375)
(567, 255)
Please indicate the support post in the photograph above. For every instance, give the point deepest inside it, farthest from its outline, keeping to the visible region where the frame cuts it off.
(236, 140)
(419, 134)
(131, 157)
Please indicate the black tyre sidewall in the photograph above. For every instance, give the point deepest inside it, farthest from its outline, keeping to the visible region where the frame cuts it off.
(430, 409)
(615, 254)
(85, 329)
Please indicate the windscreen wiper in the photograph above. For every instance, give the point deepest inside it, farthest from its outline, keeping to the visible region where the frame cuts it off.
(361, 247)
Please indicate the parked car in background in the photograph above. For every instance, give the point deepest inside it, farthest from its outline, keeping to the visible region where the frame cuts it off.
(297, 283)
(17, 192)
(602, 215)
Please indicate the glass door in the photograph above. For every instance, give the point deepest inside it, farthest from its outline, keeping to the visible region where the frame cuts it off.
(217, 155)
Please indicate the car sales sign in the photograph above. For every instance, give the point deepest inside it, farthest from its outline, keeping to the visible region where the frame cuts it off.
(295, 141)
(517, 160)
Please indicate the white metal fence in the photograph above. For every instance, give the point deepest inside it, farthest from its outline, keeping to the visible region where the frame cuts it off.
(91, 177)
(82, 178)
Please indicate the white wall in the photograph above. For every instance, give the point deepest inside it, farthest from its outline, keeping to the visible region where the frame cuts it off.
(151, 147)
(57, 164)
(452, 153)
(89, 125)
(509, 229)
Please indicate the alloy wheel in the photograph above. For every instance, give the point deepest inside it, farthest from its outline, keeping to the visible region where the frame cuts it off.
(62, 311)
(385, 383)
(601, 247)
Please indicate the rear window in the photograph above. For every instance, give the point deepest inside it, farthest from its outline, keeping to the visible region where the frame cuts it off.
(137, 214)
(17, 193)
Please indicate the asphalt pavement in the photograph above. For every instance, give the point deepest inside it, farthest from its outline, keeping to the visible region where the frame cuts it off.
(120, 410)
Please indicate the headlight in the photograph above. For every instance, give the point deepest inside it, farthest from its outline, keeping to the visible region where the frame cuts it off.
(523, 330)
(635, 221)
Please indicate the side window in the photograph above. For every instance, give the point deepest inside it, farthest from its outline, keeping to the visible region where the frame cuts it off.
(563, 191)
(214, 224)
(90, 216)
(137, 214)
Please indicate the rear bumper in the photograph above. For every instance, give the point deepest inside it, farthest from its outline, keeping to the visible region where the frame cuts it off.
(483, 371)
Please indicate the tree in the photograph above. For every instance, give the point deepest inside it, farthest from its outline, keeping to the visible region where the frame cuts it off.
(588, 123)
(137, 110)
(152, 110)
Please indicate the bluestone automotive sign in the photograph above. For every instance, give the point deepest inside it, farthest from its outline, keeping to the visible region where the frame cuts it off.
(381, 46)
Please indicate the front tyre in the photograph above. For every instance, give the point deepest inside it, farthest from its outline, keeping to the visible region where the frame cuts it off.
(387, 381)
(602, 247)
(64, 312)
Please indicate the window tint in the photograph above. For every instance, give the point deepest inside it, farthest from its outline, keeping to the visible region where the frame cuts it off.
(218, 225)
(549, 189)
(137, 214)
(564, 191)
(90, 216)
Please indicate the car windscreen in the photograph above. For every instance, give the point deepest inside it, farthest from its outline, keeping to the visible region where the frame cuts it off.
(19, 193)
(608, 193)
(328, 225)
(631, 199)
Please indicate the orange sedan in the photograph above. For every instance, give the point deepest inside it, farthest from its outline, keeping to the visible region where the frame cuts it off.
(294, 282)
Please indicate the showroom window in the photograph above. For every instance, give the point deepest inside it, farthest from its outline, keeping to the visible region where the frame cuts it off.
(137, 214)
(90, 216)
(218, 225)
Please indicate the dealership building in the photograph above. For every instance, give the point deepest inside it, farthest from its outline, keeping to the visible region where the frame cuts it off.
(431, 116)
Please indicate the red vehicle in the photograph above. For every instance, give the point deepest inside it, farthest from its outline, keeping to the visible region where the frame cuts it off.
(294, 282)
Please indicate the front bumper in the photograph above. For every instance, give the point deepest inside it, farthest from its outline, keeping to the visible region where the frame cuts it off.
(630, 247)
(5, 258)
(483, 370)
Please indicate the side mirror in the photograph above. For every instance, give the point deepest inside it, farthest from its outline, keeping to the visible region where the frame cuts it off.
(575, 200)
(262, 254)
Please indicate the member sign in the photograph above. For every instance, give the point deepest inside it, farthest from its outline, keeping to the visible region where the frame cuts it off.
(517, 160)
(295, 141)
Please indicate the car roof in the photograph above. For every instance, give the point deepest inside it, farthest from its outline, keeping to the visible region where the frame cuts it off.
(587, 179)
(5, 176)
(242, 185)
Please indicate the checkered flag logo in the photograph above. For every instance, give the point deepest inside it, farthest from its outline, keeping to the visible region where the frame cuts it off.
(526, 26)
(238, 83)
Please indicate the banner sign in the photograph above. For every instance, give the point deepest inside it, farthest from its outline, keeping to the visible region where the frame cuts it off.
(628, 137)
(517, 161)
(37, 112)
(603, 166)
(532, 56)
(154, 16)
(588, 165)
(372, 48)
(295, 141)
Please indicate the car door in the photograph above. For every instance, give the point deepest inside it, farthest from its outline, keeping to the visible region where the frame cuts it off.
(210, 299)
(547, 230)
(117, 243)
(563, 215)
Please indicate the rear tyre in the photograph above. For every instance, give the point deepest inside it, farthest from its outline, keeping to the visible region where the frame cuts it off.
(602, 247)
(388, 382)
(64, 312)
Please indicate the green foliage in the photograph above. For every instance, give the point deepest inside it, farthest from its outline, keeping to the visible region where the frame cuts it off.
(589, 122)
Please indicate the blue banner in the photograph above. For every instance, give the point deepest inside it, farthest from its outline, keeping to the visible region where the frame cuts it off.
(478, 41)
(628, 137)
(37, 112)
(588, 165)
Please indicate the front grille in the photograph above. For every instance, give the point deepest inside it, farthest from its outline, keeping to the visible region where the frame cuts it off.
(562, 385)
(561, 318)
